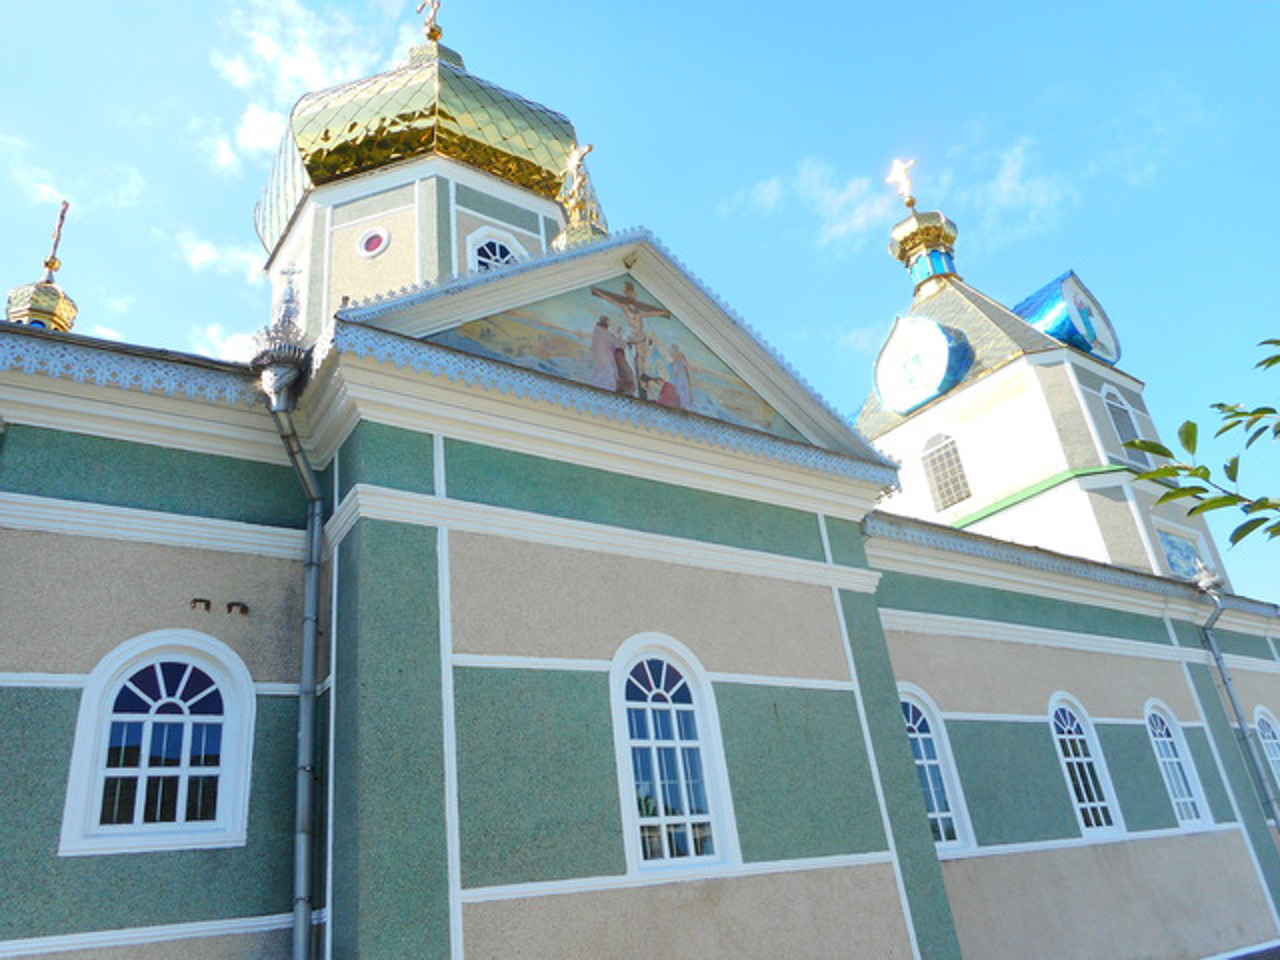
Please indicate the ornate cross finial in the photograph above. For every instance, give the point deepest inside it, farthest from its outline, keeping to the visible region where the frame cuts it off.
(900, 178)
(53, 263)
(575, 185)
(431, 28)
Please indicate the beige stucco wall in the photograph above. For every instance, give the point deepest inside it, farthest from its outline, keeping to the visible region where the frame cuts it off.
(1173, 898)
(77, 598)
(469, 223)
(1068, 416)
(244, 946)
(1119, 528)
(355, 276)
(518, 598)
(986, 676)
(1256, 689)
(850, 912)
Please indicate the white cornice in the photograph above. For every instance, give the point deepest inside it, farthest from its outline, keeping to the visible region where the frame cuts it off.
(75, 518)
(381, 503)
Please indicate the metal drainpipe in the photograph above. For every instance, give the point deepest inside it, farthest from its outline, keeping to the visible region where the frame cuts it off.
(1260, 782)
(281, 375)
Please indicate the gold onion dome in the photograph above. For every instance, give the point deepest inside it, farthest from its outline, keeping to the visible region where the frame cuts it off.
(430, 107)
(43, 303)
(924, 242)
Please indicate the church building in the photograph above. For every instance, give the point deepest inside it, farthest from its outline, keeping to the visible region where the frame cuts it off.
(518, 600)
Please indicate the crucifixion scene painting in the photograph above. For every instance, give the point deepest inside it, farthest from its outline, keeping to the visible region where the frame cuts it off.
(617, 336)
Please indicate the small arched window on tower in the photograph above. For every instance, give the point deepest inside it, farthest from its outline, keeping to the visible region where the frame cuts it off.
(1126, 429)
(491, 249)
(945, 472)
(1269, 734)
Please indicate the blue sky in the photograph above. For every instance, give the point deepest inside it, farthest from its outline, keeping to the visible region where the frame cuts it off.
(1134, 142)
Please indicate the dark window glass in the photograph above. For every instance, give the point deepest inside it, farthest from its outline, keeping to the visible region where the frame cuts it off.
(118, 795)
(161, 802)
(202, 798)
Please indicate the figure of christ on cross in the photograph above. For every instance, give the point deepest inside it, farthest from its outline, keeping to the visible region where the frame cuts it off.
(635, 310)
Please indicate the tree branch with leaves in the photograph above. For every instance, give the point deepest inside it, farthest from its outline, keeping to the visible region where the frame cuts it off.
(1187, 478)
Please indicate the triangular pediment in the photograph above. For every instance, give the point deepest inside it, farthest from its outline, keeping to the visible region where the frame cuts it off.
(543, 315)
(617, 335)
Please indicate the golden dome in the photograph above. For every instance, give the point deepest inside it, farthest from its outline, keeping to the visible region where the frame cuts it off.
(42, 304)
(919, 232)
(430, 107)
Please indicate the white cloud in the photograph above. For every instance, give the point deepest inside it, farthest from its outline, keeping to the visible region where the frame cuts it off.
(205, 256)
(34, 181)
(217, 341)
(260, 129)
(764, 196)
(127, 188)
(105, 333)
(847, 209)
(865, 340)
(234, 70)
(114, 187)
(1017, 199)
(222, 156)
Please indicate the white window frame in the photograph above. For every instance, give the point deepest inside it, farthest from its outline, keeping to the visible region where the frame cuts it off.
(1099, 761)
(483, 235)
(724, 828)
(938, 444)
(1111, 397)
(81, 832)
(1160, 524)
(1270, 748)
(910, 693)
(1184, 759)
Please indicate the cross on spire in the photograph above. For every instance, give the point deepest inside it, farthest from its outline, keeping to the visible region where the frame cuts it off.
(52, 263)
(431, 28)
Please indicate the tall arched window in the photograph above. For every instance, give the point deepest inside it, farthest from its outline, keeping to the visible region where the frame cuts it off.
(1083, 766)
(1269, 734)
(935, 769)
(1175, 765)
(675, 794)
(945, 472)
(162, 748)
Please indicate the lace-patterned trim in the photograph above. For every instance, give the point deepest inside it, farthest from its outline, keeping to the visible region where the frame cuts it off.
(464, 368)
(108, 368)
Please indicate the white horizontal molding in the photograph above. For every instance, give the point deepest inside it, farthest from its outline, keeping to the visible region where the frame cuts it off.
(946, 625)
(382, 503)
(134, 936)
(47, 681)
(506, 662)
(78, 518)
(658, 877)
(1110, 837)
(1247, 950)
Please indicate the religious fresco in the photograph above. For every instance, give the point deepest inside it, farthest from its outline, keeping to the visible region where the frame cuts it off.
(617, 336)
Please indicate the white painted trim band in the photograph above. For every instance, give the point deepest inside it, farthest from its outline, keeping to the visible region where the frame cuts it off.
(22, 511)
(518, 891)
(1091, 840)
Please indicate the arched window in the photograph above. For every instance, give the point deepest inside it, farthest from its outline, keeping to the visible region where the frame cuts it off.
(1269, 734)
(162, 748)
(935, 769)
(489, 248)
(1083, 766)
(674, 790)
(1175, 765)
(1126, 430)
(945, 472)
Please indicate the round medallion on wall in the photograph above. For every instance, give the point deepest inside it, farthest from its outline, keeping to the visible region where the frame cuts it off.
(919, 361)
(373, 242)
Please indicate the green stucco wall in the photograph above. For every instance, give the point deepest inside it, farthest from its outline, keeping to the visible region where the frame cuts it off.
(390, 864)
(846, 541)
(913, 842)
(75, 466)
(1140, 787)
(902, 591)
(1243, 644)
(497, 209)
(385, 456)
(1012, 781)
(483, 474)
(47, 895)
(799, 772)
(1214, 790)
(537, 777)
(1237, 777)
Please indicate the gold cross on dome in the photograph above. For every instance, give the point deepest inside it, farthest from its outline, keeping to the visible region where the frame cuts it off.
(900, 178)
(53, 263)
(431, 28)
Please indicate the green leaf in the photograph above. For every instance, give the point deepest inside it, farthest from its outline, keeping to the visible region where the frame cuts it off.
(1187, 436)
(1254, 436)
(1269, 343)
(1262, 503)
(1246, 528)
(1177, 493)
(1201, 473)
(1231, 468)
(1274, 530)
(1150, 446)
(1268, 362)
(1215, 503)
(1160, 473)
(1230, 425)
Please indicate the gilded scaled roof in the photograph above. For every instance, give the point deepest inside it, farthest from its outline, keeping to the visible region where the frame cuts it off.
(432, 106)
(995, 334)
